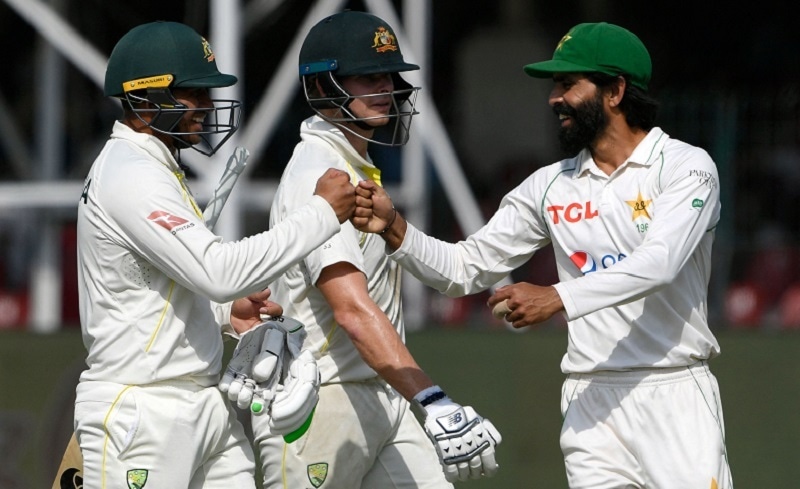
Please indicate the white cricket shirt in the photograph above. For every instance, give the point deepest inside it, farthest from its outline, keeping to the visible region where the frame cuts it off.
(147, 266)
(324, 146)
(633, 251)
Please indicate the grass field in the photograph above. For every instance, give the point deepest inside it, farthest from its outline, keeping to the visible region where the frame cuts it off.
(513, 379)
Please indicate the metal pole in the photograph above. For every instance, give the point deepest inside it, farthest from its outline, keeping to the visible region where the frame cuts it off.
(226, 37)
(45, 287)
(415, 184)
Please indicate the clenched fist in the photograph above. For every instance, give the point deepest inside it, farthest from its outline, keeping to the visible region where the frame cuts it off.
(335, 187)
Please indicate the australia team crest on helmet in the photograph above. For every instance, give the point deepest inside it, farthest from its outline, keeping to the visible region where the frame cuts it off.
(384, 40)
(208, 54)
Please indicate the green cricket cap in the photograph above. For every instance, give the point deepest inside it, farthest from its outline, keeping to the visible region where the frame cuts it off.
(598, 47)
(160, 54)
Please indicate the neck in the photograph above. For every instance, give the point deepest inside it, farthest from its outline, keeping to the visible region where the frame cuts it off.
(615, 146)
(356, 140)
(140, 125)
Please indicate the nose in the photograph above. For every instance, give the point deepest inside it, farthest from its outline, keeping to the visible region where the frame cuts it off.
(556, 96)
(204, 99)
(386, 83)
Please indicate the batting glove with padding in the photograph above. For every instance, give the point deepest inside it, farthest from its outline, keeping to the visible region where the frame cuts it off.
(464, 441)
(255, 367)
(270, 373)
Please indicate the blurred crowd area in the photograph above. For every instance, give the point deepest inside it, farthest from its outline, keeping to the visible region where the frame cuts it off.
(732, 88)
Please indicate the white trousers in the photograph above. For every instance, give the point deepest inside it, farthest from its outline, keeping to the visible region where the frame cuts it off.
(363, 435)
(168, 435)
(650, 428)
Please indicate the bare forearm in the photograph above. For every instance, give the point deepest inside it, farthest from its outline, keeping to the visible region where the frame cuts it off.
(383, 350)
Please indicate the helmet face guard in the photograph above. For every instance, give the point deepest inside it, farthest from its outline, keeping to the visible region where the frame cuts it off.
(164, 112)
(151, 61)
(353, 43)
(394, 133)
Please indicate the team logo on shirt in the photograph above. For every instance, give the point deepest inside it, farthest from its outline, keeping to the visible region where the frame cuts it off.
(168, 221)
(137, 478)
(704, 178)
(583, 261)
(317, 473)
(639, 206)
(586, 263)
(572, 212)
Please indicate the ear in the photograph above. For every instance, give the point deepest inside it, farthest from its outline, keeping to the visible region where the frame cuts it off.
(318, 87)
(616, 91)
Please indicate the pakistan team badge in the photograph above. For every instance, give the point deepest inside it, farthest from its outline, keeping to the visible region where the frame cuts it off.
(137, 478)
(317, 473)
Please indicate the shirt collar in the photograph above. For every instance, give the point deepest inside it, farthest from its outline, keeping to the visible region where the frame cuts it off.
(333, 135)
(644, 154)
(147, 143)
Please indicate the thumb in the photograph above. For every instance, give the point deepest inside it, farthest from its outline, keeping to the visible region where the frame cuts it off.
(261, 296)
(367, 185)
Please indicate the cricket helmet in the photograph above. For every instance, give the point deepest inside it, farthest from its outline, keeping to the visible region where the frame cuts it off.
(153, 59)
(353, 43)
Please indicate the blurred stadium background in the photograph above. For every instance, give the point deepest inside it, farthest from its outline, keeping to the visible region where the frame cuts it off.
(729, 83)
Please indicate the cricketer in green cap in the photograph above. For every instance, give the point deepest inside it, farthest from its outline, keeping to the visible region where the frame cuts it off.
(151, 62)
(598, 47)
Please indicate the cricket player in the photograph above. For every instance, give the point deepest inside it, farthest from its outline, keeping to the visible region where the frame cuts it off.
(157, 288)
(363, 433)
(631, 217)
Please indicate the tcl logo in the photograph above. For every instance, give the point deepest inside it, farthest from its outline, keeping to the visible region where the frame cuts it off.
(573, 212)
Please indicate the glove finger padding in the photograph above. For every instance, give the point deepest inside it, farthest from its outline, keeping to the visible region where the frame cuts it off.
(269, 357)
(255, 367)
(296, 399)
(488, 456)
(241, 363)
(464, 440)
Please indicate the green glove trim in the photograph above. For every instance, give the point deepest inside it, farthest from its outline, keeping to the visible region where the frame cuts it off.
(296, 434)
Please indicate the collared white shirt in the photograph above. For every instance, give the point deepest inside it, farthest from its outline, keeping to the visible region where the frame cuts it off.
(324, 146)
(633, 252)
(148, 268)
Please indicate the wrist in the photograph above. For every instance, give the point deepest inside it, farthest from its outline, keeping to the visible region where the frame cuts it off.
(394, 234)
(428, 400)
(391, 221)
(429, 395)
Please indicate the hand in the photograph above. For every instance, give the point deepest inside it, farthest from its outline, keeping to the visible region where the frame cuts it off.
(247, 312)
(296, 399)
(529, 304)
(271, 374)
(255, 368)
(335, 187)
(374, 209)
(464, 441)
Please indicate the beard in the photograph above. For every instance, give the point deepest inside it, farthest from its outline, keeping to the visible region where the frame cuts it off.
(588, 119)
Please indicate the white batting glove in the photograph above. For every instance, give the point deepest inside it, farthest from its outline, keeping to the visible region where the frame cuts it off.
(464, 441)
(255, 368)
(296, 398)
(271, 373)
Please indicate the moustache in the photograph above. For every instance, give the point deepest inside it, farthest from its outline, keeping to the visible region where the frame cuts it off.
(563, 109)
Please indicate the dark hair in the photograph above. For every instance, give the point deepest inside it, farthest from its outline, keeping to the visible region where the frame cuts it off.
(639, 107)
